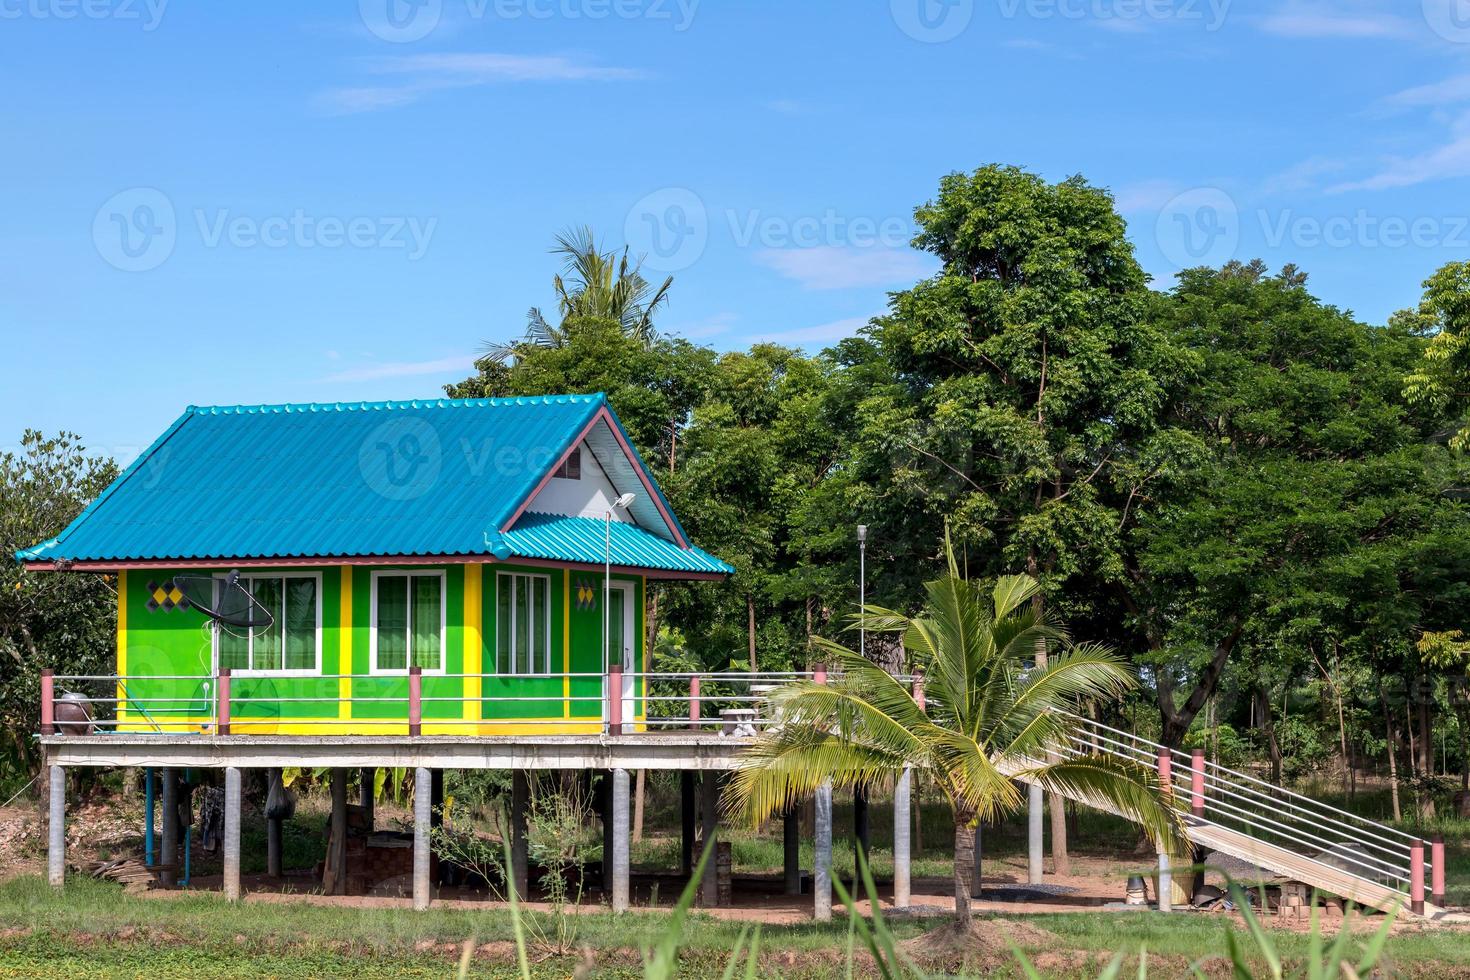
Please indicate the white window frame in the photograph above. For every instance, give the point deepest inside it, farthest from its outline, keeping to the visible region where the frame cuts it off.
(546, 625)
(411, 573)
(313, 671)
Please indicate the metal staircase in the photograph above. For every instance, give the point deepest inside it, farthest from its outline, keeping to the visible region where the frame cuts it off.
(1295, 836)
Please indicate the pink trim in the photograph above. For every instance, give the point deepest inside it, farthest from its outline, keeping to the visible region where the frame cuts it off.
(603, 415)
(1197, 782)
(364, 560)
(1166, 772)
(48, 702)
(1416, 877)
(694, 700)
(615, 699)
(415, 700)
(1436, 872)
(222, 689)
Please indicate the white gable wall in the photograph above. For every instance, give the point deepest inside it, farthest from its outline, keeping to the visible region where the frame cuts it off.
(591, 496)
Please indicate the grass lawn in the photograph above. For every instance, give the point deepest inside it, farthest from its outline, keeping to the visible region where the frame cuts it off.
(93, 929)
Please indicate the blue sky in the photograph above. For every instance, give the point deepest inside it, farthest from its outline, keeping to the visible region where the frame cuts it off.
(222, 203)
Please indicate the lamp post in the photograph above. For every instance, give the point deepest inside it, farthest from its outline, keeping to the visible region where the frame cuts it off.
(621, 503)
(862, 535)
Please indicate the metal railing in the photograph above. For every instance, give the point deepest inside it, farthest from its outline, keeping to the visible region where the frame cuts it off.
(1242, 803)
(735, 704)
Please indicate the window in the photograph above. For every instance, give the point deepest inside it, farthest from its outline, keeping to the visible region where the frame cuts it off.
(522, 624)
(292, 642)
(571, 468)
(408, 622)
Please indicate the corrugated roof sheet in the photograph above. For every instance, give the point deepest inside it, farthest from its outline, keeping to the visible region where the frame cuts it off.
(404, 478)
(581, 539)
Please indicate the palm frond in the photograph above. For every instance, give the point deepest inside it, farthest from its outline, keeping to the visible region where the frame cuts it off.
(1128, 789)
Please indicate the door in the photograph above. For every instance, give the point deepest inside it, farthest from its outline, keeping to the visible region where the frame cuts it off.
(620, 648)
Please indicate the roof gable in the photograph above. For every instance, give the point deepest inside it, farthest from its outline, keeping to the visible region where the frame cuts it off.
(408, 478)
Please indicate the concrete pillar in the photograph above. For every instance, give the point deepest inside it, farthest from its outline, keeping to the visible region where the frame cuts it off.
(232, 834)
(422, 797)
(791, 849)
(688, 822)
(902, 874)
(822, 863)
(1166, 888)
(622, 837)
(337, 854)
(520, 805)
(273, 827)
(168, 877)
(979, 855)
(604, 802)
(56, 828)
(365, 796)
(1034, 809)
(710, 886)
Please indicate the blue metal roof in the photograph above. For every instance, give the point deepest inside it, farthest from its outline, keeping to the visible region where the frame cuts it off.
(359, 479)
(581, 539)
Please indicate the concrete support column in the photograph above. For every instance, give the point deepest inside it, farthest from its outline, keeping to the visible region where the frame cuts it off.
(232, 834)
(1034, 807)
(622, 837)
(168, 877)
(422, 810)
(822, 862)
(901, 867)
(336, 870)
(56, 828)
(273, 827)
(979, 859)
(366, 798)
(791, 849)
(710, 886)
(688, 822)
(520, 805)
(1166, 885)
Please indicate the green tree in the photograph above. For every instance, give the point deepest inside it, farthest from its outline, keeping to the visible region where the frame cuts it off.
(62, 621)
(987, 721)
(1442, 378)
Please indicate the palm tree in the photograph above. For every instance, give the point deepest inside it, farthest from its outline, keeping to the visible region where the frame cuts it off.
(988, 721)
(592, 283)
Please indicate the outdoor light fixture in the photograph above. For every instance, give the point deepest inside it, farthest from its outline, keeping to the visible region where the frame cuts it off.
(862, 531)
(622, 503)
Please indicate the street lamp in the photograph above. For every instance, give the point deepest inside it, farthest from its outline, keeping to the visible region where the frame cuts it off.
(863, 589)
(623, 503)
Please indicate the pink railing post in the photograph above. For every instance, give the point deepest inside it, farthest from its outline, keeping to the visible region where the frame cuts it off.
(415, 700)
(1197, 782)
(694, 700)
(222, 708)
(1436, 875)
(1166, 772)
(615, 699)
(819, 673)
(919, 690)
(1416, 877)
(48, 702)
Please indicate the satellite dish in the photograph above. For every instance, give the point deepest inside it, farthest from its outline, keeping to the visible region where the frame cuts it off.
(224, 600)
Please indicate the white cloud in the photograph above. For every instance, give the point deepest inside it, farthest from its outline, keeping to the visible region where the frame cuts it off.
(1303, 176)
(825, 333)
(403, 369)
(1147, 195)
(1327, 25)
(711, 326)
(428, 73)
(841, 267)
(1434, 95)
